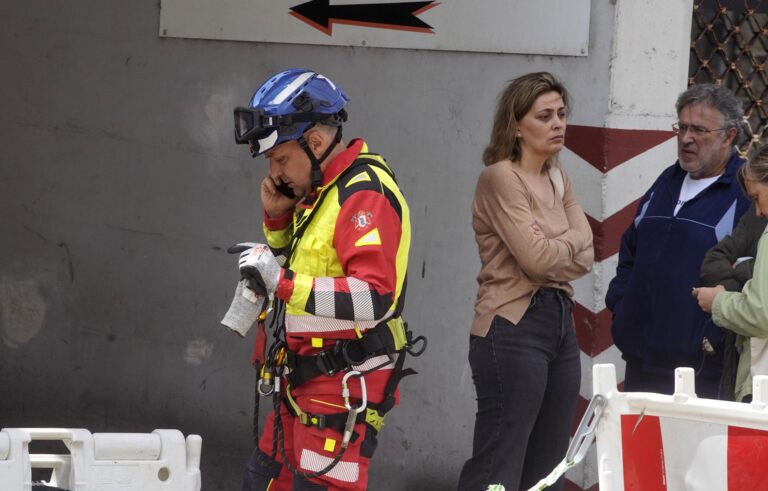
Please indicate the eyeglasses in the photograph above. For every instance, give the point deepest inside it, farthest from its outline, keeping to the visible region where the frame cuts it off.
(681, 129)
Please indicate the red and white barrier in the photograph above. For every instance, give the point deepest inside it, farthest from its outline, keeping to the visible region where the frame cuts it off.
(159, 461)
(654, 442)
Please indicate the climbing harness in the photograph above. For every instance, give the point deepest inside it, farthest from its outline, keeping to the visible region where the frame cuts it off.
(275, 368)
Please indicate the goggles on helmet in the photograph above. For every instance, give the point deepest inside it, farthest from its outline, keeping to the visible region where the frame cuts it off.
(252, 123)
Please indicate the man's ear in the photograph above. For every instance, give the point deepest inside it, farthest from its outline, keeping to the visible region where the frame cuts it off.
(731, 135)
(316, 140)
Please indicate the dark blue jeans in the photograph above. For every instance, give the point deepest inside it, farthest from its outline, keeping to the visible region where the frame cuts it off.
(527, 379)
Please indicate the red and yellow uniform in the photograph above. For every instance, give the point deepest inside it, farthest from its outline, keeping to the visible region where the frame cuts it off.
(344, 277)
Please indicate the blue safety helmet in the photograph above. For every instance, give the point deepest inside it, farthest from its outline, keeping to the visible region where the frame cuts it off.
(285, 106)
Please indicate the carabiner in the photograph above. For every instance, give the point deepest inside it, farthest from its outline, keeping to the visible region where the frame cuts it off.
(345, 391)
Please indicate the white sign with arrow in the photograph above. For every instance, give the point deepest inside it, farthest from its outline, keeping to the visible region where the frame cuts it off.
(546, 27)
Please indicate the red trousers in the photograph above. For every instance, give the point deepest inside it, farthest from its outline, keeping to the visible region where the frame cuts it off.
(311, 449)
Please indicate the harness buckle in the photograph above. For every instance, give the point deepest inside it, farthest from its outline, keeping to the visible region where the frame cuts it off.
(315, 420)
(374, 418)
(325, 361)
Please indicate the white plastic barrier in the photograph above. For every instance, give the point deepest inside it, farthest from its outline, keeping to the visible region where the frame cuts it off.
(159, 461)
(15, 468)
(654, 442)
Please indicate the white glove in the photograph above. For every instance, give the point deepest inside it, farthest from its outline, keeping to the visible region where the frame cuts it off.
(259, 266)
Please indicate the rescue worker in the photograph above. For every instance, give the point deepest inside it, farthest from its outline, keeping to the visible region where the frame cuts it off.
(338, 234)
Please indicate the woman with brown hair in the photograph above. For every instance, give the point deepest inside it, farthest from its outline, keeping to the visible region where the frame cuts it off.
(533, 238)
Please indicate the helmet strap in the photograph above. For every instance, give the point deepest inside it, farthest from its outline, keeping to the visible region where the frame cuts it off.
(316, 172)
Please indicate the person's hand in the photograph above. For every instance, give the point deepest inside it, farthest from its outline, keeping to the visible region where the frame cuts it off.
(537, 232)
(258, 265)
(274, 202)
(706, 296)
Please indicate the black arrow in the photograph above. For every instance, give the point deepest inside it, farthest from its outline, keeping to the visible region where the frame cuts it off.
(401, 15)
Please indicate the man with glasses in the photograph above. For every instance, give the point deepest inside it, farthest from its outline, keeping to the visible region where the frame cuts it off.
(657, 323)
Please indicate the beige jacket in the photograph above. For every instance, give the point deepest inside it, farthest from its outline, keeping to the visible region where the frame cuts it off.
(515, 264)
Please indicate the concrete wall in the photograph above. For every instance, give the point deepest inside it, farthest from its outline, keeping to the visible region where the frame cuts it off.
(121, 187)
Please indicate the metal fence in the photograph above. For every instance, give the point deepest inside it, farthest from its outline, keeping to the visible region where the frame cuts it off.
(729, 42)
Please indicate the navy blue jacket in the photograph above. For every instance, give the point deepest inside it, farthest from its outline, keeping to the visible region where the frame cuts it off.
(655, 319)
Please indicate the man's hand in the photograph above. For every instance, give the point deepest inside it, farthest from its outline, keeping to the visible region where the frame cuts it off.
(259, 266)
(706, 296)
(274, 202)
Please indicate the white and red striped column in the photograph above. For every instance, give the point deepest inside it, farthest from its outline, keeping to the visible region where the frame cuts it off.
(611, 169)
(613, 152)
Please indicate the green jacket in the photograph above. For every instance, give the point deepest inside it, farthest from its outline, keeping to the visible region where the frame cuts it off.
(744, 312)
(717, 269)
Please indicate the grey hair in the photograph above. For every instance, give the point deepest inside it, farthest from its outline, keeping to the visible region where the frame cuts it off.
(328, 129)
(756, 168)
(718, 98)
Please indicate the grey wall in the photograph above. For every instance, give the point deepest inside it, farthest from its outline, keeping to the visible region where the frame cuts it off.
(120, 188)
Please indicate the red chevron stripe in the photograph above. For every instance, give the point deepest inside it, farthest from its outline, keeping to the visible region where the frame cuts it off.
(607, 234)
(607, 148)
(593, 331)
(604, 149)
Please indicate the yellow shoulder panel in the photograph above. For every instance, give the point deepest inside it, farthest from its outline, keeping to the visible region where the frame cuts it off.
(362, 177)
(371, 238)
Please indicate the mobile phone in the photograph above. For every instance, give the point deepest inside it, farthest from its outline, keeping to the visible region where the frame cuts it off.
(286, 190)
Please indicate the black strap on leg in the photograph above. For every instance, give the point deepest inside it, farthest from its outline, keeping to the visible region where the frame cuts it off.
(256, 398)
(335, 421)
(398, 373)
